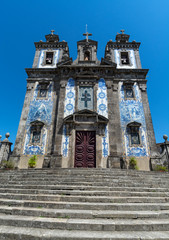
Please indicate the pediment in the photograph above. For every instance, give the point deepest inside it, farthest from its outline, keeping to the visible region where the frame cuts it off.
(86, 116)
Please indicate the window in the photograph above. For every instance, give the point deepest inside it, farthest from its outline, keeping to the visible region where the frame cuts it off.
(124, 58)
(36, 132)
(133, 130)
(128, 91)
(49, 57)
(87, 56)
(42, 90)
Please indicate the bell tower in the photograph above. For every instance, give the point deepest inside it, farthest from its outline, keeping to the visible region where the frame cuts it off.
(87, 51)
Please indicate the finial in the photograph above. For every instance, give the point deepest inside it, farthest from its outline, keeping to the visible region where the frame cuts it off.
(7, 135)
(52, 31)
(122, 31)
(87, 34)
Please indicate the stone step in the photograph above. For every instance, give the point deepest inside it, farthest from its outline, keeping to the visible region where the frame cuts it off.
(86, 205)
(26, 233)
(83, 214)
(94, 199)
(84, 192)
(85, 224)
(84, 187)
(90, 183)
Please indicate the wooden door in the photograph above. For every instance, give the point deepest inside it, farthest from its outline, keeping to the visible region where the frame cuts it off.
(85, 149)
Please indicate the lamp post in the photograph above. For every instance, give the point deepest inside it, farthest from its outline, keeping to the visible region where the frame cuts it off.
(165, 138)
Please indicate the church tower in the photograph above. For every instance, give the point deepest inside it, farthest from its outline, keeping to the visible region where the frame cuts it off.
(85, 113)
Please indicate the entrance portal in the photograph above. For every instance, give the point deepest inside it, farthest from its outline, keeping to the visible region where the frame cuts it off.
(85, 149)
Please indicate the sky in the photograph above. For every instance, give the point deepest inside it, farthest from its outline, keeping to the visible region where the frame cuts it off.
(26, 22)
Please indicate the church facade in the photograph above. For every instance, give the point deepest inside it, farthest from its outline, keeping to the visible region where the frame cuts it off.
(85, 113)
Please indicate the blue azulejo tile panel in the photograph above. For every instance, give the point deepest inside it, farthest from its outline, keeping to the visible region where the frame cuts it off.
(105, 143)
(30, 149)
(131, 56)
(69, 98)
(65, 142)
(132, 111)
(102, 98)
(42, 60)
(39, 110)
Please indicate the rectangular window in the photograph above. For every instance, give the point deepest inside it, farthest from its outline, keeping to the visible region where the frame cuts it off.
(128, 90)
(124, 58)
(135, 138)
(36, 137)
(42, 90)
(49, 57)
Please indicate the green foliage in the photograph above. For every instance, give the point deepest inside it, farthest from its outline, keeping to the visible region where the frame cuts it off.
(7, 164)
(133, 163)
(32, 161)
(161, 168)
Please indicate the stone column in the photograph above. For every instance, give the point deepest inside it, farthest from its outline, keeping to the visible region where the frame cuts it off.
(21, 129)
(148, 119)
(57, 157)
(114, 126)
(5, 150)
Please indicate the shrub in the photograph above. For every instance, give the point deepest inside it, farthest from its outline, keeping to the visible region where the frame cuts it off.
(7, 164)
(161, 168)
(32, 161)
(133, 163)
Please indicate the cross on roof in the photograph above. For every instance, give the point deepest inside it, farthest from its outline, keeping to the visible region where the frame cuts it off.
(122, 31)
(52, 31)
(87, 34)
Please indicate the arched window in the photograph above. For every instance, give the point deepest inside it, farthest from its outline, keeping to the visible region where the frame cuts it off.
(87, 56)
(36, 132)
(133, 130)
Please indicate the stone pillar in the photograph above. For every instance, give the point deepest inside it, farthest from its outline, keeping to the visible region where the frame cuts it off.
(57, 157)
(5, 149)
(148, 119)
(15, 157)
(114, 126)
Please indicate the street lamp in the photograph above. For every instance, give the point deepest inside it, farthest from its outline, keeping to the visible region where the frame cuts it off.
(165, 138)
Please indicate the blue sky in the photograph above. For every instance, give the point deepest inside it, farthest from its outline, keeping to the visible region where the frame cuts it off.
(26, 22)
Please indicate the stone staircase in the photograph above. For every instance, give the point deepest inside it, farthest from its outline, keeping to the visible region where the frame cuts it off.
(84, 204)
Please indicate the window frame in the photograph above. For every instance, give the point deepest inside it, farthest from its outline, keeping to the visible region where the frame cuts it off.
(129, 86)
(130, 131)
(39, 127)
(42, 86)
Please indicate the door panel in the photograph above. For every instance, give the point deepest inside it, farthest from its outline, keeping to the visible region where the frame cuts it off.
(85, 149)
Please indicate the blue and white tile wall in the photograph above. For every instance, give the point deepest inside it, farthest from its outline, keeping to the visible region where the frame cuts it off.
(102, 98)
(105, 143)
(131, 57)
(102, 109)
(40, 110)
(130, 111)
(65, 142)
(69, 98)
(41, 59)
(68, 110)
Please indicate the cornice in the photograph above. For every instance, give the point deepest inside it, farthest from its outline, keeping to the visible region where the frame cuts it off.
(85, 72)
(50, 44)
(117, 45)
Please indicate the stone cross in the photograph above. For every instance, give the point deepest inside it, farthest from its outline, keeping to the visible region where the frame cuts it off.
(87, 34)
(86, 97)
